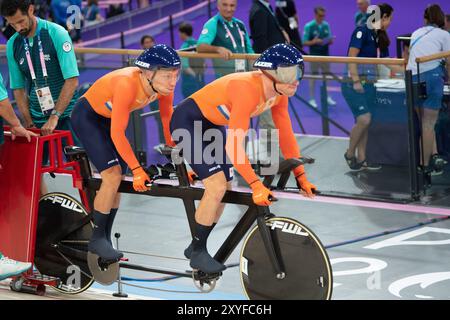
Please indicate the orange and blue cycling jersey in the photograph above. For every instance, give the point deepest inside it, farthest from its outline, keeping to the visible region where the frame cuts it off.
(232, 101)
(113, 97)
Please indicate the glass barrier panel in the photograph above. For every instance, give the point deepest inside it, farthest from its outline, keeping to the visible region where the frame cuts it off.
(325, 111)
(432, 102)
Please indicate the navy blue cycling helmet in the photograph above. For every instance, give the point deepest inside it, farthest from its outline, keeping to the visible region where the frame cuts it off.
(283, 63)
(159, 56)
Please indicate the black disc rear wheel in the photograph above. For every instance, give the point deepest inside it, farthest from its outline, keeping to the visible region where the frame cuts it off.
(58, 211)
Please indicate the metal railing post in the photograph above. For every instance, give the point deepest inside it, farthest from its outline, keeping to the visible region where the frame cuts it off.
(412, 139)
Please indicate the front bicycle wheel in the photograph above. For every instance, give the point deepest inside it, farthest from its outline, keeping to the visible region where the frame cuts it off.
(308, 274)
(58, 211)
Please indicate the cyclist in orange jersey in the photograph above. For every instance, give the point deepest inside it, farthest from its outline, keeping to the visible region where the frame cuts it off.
(100, 119)
(231, 101)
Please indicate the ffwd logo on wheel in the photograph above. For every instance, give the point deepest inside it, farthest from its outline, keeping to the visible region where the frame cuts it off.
(287, 227)
(65, 203)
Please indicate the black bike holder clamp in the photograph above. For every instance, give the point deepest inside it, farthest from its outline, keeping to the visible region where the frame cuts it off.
(119, 293)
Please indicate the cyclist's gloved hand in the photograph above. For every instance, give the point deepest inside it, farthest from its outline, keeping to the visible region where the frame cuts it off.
(192, 176)
(306, 187)
(261, 194)
(140, 178)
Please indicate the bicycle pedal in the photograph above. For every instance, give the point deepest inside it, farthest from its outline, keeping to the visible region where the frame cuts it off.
(203, 276)
(205, 282)
(104, 264)
(105, 272)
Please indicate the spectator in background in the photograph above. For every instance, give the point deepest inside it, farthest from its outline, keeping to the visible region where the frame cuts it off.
(143, 3)
(361, 15)
(358, 88)
(225, 35)
(192, 71)
(7, 30)
(114, 10)
(60, 12)
(60, 8)
(61, 82)
(91, 13)
(147, 42)
(41, 8)
(428, 40)
(264, 27)
(266, 32)
(317, 35)
(286, 14)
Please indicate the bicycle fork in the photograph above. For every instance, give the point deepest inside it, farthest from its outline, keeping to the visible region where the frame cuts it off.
(270, 241)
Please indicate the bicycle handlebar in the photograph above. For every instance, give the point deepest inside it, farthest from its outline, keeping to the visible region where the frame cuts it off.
(284, 169)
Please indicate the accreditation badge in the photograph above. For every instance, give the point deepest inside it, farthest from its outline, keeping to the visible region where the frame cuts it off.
(292, 23)
(240, 65)
(45, 100)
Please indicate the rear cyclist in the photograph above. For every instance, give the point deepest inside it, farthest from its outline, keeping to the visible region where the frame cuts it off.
(231, 101)
(100, 119)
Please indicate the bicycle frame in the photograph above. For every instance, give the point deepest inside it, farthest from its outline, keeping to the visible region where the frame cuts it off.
(189, 194)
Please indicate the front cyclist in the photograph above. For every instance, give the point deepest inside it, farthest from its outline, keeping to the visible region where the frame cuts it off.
(231, 101)
(100, 119)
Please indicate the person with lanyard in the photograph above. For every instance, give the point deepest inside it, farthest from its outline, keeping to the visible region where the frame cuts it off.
(286, 14)
(232, 101)
(361, 15)
(265, 29)
(358, 88)
(225, 35)
(317, 35)
(192, 71)
(8, 267)
(266, 32)
(426, 41)
(100, 118)
(41, 57)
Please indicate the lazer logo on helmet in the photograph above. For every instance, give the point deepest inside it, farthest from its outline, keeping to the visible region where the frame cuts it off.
(142, 64)
(65, 203)
(263, 64)
(287, 227)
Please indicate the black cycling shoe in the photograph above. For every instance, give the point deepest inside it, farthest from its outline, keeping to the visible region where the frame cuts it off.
(352, 163)
(201, 260)
(188, 251)
(104, 250)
